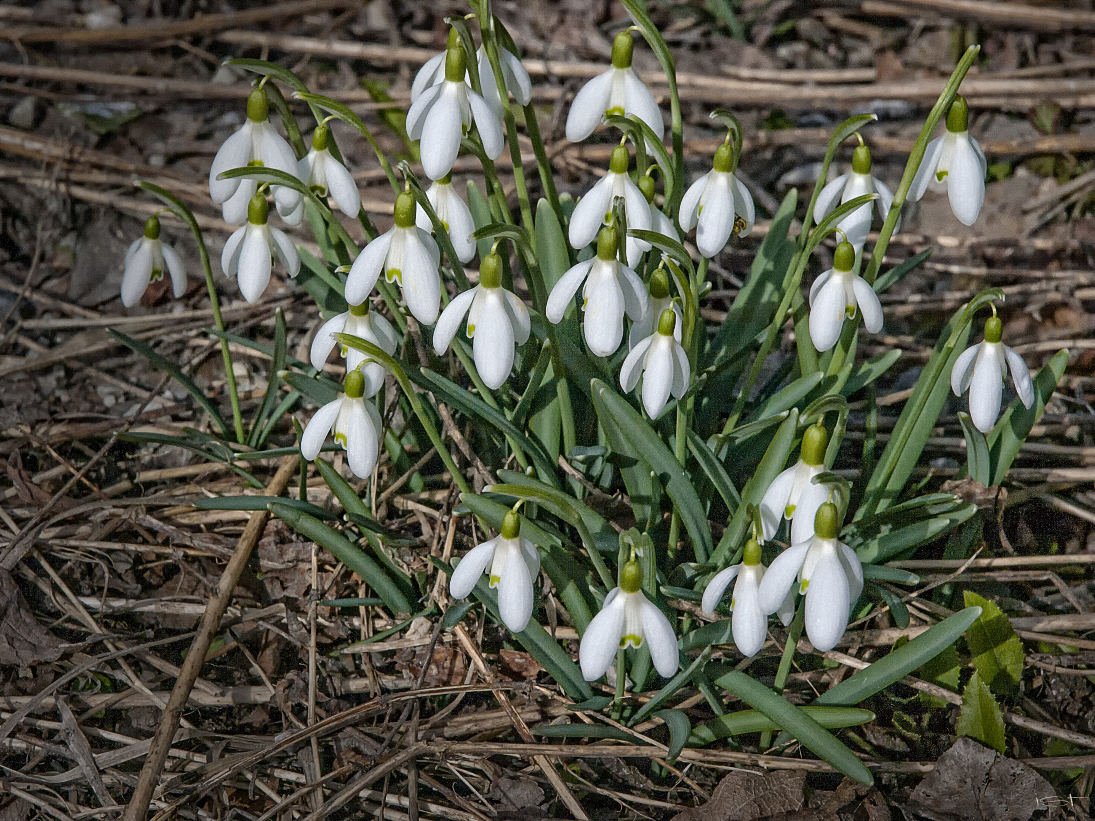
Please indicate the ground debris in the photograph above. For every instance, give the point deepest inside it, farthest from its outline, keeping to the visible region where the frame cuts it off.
(23, 642)
(745, 796)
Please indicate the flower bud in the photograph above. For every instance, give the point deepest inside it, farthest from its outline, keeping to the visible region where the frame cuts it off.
(648, 187)
(659, 284)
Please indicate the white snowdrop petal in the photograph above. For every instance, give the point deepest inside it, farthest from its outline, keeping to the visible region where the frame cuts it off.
(635, 295)
(773, 503)
(603, 324)
(461, 227)
(869, 304)
(488, 125)
(441, 134)
(819, 283)
(518, 316)
(315, 432)
(809, 500)
(276, 152)
(362, 440)
(449, 322)
(137, 272)
(885, 199)
(716, 220)
(420, 108)
(659, 637)
(976, 146)
(230, 254)
(366, 269)
(562, 294)
(324, 340)
(468, 572)
(601, 639)
(857, 225)
(986, 388)
(780, 576)
(421, 283)
(515, 593)
(827, 314)
(926, 172)
(853, 570)
(587, 109)
(517, 79)
(966, 183)
(175, 269)
(234, 153)
(431, 73)
(658, 376)
(743, 206)
(286, 251)
(712, 594)
(639, 101)
(492, 347)
(962, 372)
(637, 210)
(589, 214)
(690, 204)
(748, 625)
(827, 604)
(632, 367)
(682, 371)
(1020, 376)
(829, 197)
(253, 274)
(234, 209)
(342, 189)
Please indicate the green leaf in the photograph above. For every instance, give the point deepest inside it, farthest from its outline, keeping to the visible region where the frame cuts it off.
(869, 371)
(617, 414)
(980, 717)
(323, 286)
(601, 534)
(714, 470)
(481, 216)
(898, 272)
(898, 610)
(787, 397)
(260, 503)
(346, 552)
(267, 69)
(277, 364)
(585, 731)
(552, 249)
(997, 652)
(754, 721)
(176, 373)
(680, 728)
(320, 390)
(879, 675)
(796, 722)
(1015, 425)
(977, 450)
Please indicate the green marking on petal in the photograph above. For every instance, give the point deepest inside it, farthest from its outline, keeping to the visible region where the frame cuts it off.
(632, 640)
(340, 438)
(471, 330)
(789, 511)
(156, 275)
(940, 176)
(494, 580)
(394, 275)
(803, 585)
(849, 311)
(618, 110)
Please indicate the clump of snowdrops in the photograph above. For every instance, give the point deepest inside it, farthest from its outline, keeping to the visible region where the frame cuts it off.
(577, 350)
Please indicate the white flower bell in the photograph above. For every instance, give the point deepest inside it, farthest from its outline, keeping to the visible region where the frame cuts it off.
(836, 294)
(594, 210)
(982, 370)
(658, 300)
(356, 425)
(454, 214)
(512, 564)
(611, 291)
(954, 162)
(256, 143)
(627, 619)
(357, 321)
(146, 261)
(327, 176)
(407, 255)
(497, 320)
(829, 573)
(749, 624)
(793, 494)
(616, 91)
(248, 254)
(663, 364)
(444, 112)
(718, 205)
(856, 225)
(514, 76)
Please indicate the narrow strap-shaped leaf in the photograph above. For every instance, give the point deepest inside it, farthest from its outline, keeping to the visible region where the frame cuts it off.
(754, 721)
(277, 364)
(977, 450)
(586, 731)
(319, 390)
(714, 470)
(176, 373)
(260, 503)
(680, 728)
(867, 372)
(796, 722)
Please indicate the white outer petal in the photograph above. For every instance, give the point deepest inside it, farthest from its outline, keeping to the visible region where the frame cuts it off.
(773, 503)
(716, 217)
(926, 171)
(421, 282)
(176, 269)
(449, 322)
(137, 273)
(780, 577)
(690, 204)
(589, 213)
(603, 323)
(827, 603)
(986, 389)
(743, 206)
(749, 625)
(853, 570)
(442, 129)
(286, 251)
(563, 293)
(712, 594)
(966, 182)
(587, 109)
(230, 256)
(366, 269)
(416, 114)
(315, 432)
(255, 263)
(857, 225)
(827, 313)
(1020, 377)
(362, 438)
(639, 101)
(431, 73)
(466, 574)
(234, 209)
(341, 188)
(235, 152)
(324, 340)
(829, 197)
(632, 367)
(519, 317)
(515, 593)
(517, 80)
(660, 638)
(809, 500)
(488, 125)
(492, 346)
(658, 375)
(962, 372)
(868, 303)
(601, 639)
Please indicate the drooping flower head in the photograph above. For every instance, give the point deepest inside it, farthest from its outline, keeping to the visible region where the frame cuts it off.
(663, 364)
(327, 176)
(496, 320)
(356, 425)
(749, 623)
(454, 214)
(512, 563)
(983, 368)
(616, 91)
(611, 291)
(442, 115)
(248, 254)
(256, 143)
(370, 326)
(829, 574)
(718, 205)
(146, 261)
(658, 300)
(594, 210)
(407, 255)
(956, 163)
(514, 76)
(627, 619)
(793, 494)
(836, 294)
(856, 225)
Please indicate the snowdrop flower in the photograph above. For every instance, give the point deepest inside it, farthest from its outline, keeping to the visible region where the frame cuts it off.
(256, 143)
(145, 263)
(512, 564)
(658, 300)
(595, 208)
(829, 574)
(248, 254)
(857, 224)
(718, 205)
(749, 623)
(406, 254)
(793, 494)
(837, 294)
(444, 113)
(663, 364)
(514, 76)
(496, 320)
(616, 91)
(327, 176)
(983, 369)
(454, 215)
(355, 422)
(357, 321)
(954, 162)
(626, 620)
(611, 290)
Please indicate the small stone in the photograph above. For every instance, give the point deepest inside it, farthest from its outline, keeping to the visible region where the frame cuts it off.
(24, 113)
